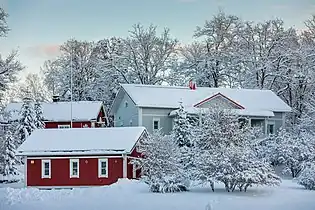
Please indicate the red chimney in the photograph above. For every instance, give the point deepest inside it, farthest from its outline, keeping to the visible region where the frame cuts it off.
(192, 85)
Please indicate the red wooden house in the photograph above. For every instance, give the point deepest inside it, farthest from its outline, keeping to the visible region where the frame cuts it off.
(58, 114)
(67, 158)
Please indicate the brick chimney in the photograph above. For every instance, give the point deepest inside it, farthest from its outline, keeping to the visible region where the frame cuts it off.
(192, 85)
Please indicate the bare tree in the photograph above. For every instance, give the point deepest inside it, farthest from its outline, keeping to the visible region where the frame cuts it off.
(148, 57)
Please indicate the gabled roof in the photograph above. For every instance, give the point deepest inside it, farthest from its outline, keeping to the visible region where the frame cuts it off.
(61, 111)
(76, 141)
(158, 96)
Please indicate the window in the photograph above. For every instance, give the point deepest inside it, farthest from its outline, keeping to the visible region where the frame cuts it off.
(63, 126)
(46, 169)
(270, 128)
(156, 124)
(126, 104)
(103, 168)
(74, 168)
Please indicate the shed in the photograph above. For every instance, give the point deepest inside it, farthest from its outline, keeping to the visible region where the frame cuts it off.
(78, 157)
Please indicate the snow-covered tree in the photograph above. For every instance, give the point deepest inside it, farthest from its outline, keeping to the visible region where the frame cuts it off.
(290, 148)
(147, 57)
(181, 129)
(39, 118)
(27, 120)
(212, 62)
(307, 176)
(8, 168)
(160, 166)
(226, 154)
(33, 86)
(9, 66)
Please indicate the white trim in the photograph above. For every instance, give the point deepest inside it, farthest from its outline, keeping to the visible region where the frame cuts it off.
(140, 116)
(100, 161)
(159, 123)
(156, 115)
(47, 153)
(134, 171)
(43, 169)
(74, 157)
(64, 126)
(71, 161)
(25, 171)
(125, 166)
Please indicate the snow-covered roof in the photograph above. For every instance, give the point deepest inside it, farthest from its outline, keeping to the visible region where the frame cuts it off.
(160, 96)
(61, 111)
(240, 112)
(76, 141)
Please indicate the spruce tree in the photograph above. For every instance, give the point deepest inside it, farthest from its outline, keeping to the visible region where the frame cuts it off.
(8, 157)
(39, 118)
(27, 121)
(182, 129)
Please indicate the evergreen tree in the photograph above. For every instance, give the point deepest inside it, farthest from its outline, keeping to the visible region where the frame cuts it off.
(27, 120)
(39, 118)
(8, 157)
(182, 130)
(159, 166)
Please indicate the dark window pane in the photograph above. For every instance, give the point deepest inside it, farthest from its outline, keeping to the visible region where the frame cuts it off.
(156, 125)
(46, 169)
(103, 171)
(103, 165)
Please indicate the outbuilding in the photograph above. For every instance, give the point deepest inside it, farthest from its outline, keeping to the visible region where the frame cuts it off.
(80, 157)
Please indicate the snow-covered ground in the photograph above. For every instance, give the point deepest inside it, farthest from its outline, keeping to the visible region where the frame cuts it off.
(134, 195)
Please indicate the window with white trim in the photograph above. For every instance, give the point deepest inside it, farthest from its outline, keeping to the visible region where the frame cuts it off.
(74, 168)
(270, 128)
(156, 124)
(63, 126)
(46, 169)
(103, 167)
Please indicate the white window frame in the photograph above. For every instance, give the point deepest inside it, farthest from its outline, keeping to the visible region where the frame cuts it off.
(43, 169)
(100, 161)
(71, 168)
(64, 126)
(159, 123)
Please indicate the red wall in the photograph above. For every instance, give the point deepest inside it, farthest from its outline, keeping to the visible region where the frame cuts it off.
(74, 124)
(60, 172)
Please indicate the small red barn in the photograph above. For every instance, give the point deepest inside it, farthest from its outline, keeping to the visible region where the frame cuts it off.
(66, 158)
(57, 114)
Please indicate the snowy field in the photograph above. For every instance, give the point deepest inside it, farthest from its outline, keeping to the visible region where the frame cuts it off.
(134, 195)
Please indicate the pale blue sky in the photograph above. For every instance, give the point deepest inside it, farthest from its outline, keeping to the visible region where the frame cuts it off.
(39, 26)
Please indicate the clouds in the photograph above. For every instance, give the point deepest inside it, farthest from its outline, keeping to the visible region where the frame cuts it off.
(43, 51)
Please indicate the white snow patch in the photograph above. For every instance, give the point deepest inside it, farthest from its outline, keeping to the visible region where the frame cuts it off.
(127, 194)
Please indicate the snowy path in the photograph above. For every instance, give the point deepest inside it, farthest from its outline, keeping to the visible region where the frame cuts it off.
(134, 195)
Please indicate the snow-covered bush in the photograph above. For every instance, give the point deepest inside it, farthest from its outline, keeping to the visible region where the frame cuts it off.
(160, 165)
(291, 149)
(307, 177)
(226, 153)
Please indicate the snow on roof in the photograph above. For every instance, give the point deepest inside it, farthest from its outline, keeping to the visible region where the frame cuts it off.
(61, 111)
(81, 141)
(241, 112)
(159, 96)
